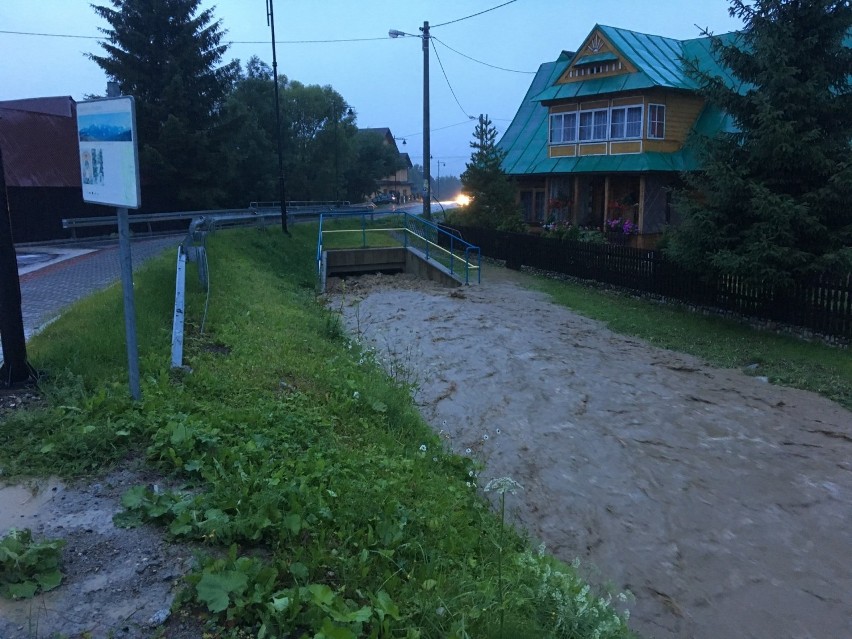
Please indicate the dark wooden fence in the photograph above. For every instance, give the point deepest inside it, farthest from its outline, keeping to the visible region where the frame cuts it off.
(822, 304)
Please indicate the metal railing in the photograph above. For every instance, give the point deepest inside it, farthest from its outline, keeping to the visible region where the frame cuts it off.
(255, 210)
(435, 243)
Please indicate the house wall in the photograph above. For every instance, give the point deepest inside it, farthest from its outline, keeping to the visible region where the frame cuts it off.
(682, 110)
(656, 206)
(532, 198)
(36, 213)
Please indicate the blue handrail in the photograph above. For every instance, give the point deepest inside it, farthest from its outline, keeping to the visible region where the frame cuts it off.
(416, 227)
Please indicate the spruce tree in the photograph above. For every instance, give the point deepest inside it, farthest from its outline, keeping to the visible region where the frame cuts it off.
(772, 202)
(492, 195)
(167, 54)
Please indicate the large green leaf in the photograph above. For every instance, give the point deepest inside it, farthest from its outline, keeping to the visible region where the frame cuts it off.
(216, 589)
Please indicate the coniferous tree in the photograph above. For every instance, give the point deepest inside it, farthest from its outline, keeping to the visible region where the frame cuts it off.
(772, 202)
(492, 195)
(167, 54)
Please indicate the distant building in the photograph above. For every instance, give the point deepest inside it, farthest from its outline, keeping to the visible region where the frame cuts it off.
(398, 184)
(41, 165)
(601, 132)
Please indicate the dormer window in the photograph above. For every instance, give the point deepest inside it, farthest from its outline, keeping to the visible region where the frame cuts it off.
(626, 123)
(656, 121)
(593, 125)
(563, 128)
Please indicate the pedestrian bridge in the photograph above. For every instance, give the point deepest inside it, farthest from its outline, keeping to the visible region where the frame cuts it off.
(361, 243)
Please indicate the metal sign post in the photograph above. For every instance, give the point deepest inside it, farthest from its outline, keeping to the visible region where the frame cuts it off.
(109, 169)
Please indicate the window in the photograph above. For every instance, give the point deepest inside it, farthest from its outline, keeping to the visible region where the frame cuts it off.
(593, 125)
(626, 123)
(656, 121)
(563, 128)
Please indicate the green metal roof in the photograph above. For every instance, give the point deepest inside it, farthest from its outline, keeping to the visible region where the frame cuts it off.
(596, 57)
(526, 138)
(659, 62)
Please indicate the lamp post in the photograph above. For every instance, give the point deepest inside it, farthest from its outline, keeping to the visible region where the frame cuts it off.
(396, 174)
(427, 169)
(438, 181)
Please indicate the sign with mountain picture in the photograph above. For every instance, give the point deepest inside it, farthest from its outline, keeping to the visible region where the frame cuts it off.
(109, 159)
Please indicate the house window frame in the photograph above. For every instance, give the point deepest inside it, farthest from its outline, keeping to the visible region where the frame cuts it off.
(626, 122)
(656, 122)
(593, 126)
(563, 129)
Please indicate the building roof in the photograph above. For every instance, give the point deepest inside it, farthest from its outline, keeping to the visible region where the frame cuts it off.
(39, 141)
(385, 132)
(658, 62)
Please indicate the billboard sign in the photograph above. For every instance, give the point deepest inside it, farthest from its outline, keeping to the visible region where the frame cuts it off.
(109, 159)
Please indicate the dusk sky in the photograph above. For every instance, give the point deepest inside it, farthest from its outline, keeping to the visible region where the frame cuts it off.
(345, 44)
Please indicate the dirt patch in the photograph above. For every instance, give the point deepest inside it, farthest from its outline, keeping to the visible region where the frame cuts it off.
(15, 399)
(722, 502)
(118, 583)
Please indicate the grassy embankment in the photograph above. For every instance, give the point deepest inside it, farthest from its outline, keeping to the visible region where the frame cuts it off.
(342, 514)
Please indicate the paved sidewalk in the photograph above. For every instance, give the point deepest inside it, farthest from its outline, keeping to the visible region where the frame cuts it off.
(74, 272)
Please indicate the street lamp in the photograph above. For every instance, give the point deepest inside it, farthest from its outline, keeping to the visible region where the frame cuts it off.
(438, 181)
(427, 169)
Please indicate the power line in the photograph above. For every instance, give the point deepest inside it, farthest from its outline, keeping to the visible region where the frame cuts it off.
(441, 64)
(449, 126)
(86, 37)
(473, 15)
(493, 66)
(52, 35)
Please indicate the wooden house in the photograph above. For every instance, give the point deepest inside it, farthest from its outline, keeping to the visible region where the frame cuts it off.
(601, 134)
(397, 184)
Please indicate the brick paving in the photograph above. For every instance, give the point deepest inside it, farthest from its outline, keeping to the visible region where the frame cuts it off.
(47, 291)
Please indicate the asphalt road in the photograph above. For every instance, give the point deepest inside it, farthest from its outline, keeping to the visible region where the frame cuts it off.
(53, 277)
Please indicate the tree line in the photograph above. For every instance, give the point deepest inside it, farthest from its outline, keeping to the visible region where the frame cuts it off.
(206, 127)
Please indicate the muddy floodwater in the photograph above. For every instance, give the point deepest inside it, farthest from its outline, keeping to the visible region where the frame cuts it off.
(722, 502)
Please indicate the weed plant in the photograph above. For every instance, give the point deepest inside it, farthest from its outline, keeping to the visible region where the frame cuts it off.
(327, 506)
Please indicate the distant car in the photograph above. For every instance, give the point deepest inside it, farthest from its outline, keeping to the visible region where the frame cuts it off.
(384, 198)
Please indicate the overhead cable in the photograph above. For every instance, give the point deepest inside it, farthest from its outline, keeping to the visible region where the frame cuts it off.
(493, 66)
(86, 37)
(473, 15)
(455, 97)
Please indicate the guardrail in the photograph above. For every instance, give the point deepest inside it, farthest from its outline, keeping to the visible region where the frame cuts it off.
(263, 210)
(419, 234)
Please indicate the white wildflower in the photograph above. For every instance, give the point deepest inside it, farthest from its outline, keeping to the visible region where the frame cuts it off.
(356, 395)
(503, 485)
(422, 448)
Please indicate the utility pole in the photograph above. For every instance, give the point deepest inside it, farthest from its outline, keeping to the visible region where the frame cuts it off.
(427, 168)
(15, 370)
(270, 19)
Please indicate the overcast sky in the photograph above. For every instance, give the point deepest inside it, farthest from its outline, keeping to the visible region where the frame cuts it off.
(381, 78)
